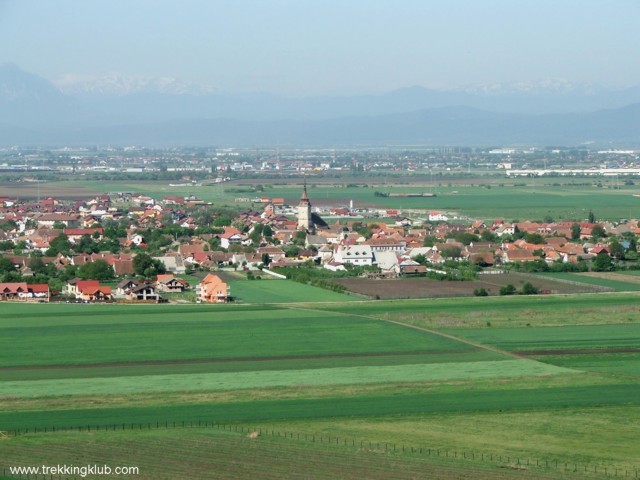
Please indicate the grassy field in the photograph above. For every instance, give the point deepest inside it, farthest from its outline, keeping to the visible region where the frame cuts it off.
(514, 311)
(573, 337)
(282, 291)
(616, 282)
(230, 454)
(107, 334)
(477, 198)
(547, 378)
(421, 287)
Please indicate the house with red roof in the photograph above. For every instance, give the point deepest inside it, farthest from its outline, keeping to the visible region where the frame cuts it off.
(169, 283)
(213, 290)
(21, 291)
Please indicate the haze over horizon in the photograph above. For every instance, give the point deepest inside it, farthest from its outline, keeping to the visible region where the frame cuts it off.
(304, 48)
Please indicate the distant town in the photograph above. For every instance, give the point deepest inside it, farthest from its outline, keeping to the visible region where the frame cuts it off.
(133, 247)
(172, 162)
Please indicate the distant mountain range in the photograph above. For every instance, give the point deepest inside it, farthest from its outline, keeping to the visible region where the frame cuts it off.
(33, 111)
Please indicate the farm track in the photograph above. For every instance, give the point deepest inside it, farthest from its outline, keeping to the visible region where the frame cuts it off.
(479, 346)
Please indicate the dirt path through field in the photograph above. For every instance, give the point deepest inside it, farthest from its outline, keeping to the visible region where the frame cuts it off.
(428, 330)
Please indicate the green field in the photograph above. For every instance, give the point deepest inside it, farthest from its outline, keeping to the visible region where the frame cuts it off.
(583, 337)
(483, 198)
(616, 285)
(547, 379)
(276, 455)
(282, 291)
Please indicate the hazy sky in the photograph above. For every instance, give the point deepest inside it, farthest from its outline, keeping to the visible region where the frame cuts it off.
(302, 47)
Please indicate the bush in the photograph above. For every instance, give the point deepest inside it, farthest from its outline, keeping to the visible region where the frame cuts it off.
(529, 289)
(481, 292)
(508, 290)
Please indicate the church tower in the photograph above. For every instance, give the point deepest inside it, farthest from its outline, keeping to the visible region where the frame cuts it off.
(304, 211)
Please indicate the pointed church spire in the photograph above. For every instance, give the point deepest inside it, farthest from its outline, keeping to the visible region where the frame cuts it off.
(304, 209)
(304, 196)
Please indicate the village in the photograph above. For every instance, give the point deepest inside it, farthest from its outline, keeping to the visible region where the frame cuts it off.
(133, 248)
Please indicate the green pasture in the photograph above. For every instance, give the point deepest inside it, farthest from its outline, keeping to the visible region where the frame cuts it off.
(282, 291)
(539, 197)
(46, 372)
(555, 338)
(513, 311)
(618, 363)
(581, 435)
(229, 453)
(394, 402)
(342, 368)
(617, 285)
(99, 335)
(268, 378)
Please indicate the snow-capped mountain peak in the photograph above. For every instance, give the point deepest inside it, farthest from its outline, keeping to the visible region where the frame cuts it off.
(114, 84)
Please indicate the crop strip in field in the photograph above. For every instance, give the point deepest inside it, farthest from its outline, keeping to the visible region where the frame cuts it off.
(458, 339)
(358, 406)
(471, 343)
(577, 351)
(228, 360)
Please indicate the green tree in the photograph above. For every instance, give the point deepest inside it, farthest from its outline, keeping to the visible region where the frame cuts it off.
(466, 238)
(6, 245)
(535, 238)
(12, 277)
(420, 258)
(145, 266)
(481, 292)
(6, 266)
(450, 251)
(617, 250)
(8, 225)
(98, 270)
(598, 232)
(488, 236)
(292, 251)
(300, 237)
(222, 221)
(86, 245)
(575, 231)
(507, 290)
(529, 289)
(592, 217)
(602, 263)
(37, 265)
(60, 244)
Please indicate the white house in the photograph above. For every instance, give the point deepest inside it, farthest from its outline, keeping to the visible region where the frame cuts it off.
(354, 254)
(437, 217)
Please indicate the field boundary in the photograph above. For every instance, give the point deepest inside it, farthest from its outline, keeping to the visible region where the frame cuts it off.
(597, 288)
(458, 339)
(436, 332)
(500, 461)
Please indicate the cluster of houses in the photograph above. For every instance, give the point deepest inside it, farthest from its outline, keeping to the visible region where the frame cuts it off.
(20, 291)
(396, 248)
(210, 290)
